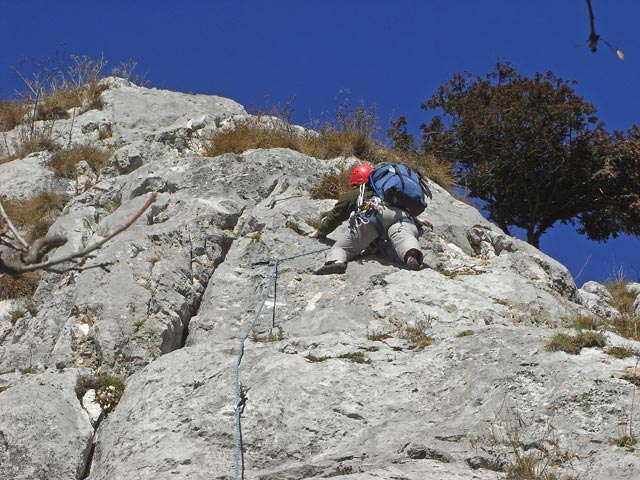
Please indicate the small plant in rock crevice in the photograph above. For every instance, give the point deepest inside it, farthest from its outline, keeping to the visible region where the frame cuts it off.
(622, 298)
(586, 323)
(628, 323)
(138, 324)
(256, 236)
(16, 314)
(522, 454)
(153, 259)
(115, 204)
(625, 441)
(464, 333)
(378, 336)
(628, 438)
(573, 344)
(316, 359)
(108, 388)
(355, 357)
(273, 335)
(416, 334)
(622, 352)
(295, 227)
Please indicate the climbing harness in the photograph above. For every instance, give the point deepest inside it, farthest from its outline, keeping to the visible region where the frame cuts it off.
(241, 390)
(365, 212)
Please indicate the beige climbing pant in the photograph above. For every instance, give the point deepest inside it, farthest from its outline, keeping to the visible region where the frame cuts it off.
(392, 223)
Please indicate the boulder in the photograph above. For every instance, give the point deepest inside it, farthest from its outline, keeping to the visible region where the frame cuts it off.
(44, 431)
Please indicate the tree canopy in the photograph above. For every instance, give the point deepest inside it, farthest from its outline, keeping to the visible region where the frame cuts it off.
(535, 153)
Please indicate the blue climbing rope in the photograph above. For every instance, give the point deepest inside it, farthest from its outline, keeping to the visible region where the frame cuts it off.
(240, 393)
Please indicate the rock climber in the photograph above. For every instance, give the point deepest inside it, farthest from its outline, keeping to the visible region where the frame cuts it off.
(370, 220)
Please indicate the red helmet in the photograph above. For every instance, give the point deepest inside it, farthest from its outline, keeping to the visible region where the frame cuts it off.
(360, 174)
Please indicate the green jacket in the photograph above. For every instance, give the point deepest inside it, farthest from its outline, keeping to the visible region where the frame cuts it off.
(346, 204)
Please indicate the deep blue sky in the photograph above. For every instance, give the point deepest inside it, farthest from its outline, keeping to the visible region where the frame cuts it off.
(392, 53)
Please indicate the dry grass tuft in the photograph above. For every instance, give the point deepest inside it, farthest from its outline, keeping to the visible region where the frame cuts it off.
(327, 144)
(628, 323)
(249, 135)
(349, 135)
(36, 214)
(621, 352)
(586, 323)
(56, 105)
(417, 335)
(464, 333)
(438, 171)
(573, 344)
(20, 287)
(623, 299)
(35, 144)
(333, 185)
(331, 144)
(11, 115)
(64, 162)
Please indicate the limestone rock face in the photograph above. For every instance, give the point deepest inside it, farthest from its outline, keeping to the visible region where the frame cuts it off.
(380, 373)
(597, 299)
(44, 432)
(21, 178)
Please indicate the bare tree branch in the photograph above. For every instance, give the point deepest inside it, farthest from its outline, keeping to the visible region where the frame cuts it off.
(42, 246)
(39, 249)
(593, 37)
(13, 229)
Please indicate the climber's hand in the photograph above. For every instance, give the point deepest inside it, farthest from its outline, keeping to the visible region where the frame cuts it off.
(314, 234)
(425, 223)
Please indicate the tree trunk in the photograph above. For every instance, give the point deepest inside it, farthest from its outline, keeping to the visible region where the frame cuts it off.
(533, 238)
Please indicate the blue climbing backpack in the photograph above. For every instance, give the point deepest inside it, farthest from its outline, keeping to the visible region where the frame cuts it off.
(400, 186)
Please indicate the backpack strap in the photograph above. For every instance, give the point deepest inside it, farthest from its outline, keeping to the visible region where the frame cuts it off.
(425, 187)
(423, 182)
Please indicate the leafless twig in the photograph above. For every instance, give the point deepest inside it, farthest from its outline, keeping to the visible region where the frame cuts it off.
(582, 269)
(13, 229)
(39, 248)
(594, 38)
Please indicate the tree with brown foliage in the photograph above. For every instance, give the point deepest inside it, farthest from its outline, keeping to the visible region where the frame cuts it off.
(617, 187)
(534, 152)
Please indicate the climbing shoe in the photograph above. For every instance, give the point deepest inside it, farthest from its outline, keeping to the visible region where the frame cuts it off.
(413, 260)
(413, 264)
(330, 268)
